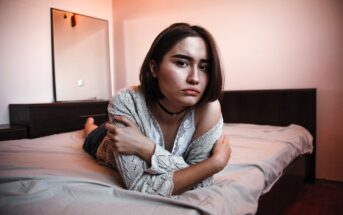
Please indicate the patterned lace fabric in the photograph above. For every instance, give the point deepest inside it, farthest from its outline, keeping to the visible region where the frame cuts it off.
(157, 178)
(183, 137)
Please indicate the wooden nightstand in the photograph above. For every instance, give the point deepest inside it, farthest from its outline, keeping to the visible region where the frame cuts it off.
(12, 132)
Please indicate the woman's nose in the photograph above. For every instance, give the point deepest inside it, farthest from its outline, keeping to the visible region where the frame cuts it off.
(193, 77)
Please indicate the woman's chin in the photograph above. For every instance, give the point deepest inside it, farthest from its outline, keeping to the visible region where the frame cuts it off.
(190, 102)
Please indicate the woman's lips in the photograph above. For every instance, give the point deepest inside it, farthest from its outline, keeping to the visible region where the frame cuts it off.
(191, 92)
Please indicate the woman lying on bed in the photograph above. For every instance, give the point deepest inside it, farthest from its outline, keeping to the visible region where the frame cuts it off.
(164, 136)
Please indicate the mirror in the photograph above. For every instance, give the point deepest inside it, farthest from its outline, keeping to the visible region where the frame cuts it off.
(80, 56)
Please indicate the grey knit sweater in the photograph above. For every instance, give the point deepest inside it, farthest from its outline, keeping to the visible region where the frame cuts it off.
(157, 178)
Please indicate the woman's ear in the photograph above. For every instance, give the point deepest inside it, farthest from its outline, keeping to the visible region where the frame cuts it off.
(153, 68)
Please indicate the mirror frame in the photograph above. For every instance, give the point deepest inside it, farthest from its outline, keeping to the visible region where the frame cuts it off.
(54, 57)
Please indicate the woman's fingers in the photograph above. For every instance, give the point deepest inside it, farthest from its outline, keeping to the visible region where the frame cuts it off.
(222, 151)
(125, 121)
(226, 143)
(222, 139)
(110, 128)
(116, 132)
(111, 131)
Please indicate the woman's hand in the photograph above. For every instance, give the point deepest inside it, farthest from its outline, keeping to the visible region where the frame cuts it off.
(129, 139)
(185, 178)
(221, 152)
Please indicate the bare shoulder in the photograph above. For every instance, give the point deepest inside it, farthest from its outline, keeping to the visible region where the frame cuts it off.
(206, 117)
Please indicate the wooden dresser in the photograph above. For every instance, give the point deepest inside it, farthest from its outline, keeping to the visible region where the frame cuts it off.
(12, 132)
(49, 118)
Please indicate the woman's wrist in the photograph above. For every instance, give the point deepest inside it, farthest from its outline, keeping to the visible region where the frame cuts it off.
(216, 163)
(146, 151)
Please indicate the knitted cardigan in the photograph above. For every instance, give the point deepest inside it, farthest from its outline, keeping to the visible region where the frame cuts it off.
(135, 172)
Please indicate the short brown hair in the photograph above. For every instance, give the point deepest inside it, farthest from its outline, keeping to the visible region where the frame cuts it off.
(163, 43)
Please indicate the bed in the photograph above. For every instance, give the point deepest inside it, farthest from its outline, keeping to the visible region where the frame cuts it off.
(49, 173)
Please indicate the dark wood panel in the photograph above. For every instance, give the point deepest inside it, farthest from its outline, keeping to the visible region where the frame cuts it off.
(281, 108)
(51, 118)
(8, 132)
(274, 107)
(285, 190)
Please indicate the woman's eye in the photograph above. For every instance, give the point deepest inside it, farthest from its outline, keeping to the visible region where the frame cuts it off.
(204, 67)
(181, 63)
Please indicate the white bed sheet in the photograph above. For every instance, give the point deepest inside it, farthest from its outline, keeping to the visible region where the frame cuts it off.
(53, 175)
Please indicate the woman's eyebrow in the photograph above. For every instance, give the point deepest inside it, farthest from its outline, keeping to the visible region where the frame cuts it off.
(186, 57)
(182, 57)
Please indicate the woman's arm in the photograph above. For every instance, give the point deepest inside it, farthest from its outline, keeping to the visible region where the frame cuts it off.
(160, 176)
(209, 124)
(129, 140)
(206, 117)
(175, 179)
(206, 154)
(184, 179)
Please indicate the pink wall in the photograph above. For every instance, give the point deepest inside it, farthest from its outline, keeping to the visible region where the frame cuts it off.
(264, 44)
(25, 53)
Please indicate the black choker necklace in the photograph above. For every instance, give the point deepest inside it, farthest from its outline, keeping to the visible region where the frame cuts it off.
(169, 112)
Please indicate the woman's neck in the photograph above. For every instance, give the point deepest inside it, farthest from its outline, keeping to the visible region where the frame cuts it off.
(164, 113)
(169, 112)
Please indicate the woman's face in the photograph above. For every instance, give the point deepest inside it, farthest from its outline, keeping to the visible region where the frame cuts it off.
(183, 73)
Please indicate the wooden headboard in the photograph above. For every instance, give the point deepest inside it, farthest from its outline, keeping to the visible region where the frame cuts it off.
(274, 107)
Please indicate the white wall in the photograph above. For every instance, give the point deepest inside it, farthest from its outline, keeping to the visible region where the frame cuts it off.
(264, 44)
(25, 47)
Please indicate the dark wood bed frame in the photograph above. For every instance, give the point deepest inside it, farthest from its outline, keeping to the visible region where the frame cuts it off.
(277, 107)
(268, 107)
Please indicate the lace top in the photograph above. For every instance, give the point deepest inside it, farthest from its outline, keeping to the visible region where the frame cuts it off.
(157, 178)
(183, 137)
